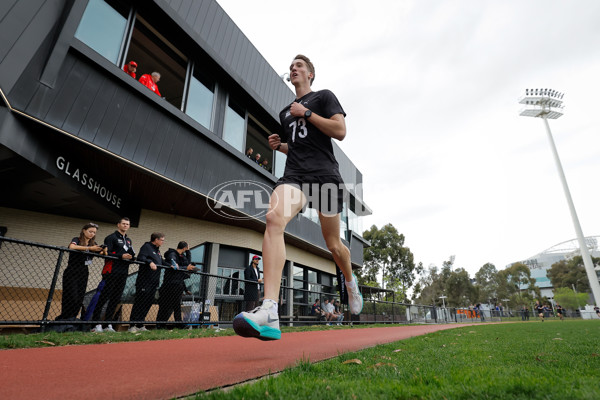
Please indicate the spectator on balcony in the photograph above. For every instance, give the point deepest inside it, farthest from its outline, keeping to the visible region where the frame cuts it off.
(252, 292)
(150, 81)
(147, 280)
(114, 273)
(130, 68)
(75, 277)
(257, 158)
(173, 287)
(265, 164)
(249, 152)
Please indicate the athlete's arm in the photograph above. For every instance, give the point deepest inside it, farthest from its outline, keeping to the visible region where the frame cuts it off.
(334, 127)
(275, 143)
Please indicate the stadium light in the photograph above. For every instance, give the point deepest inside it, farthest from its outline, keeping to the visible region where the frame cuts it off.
(547, 104)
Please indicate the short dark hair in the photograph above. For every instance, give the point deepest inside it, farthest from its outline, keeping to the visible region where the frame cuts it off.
(182, 245)
(156, 235)
(123, 219)
(309, 64)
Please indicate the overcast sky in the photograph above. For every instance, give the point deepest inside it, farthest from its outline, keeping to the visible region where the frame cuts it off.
(431, 90)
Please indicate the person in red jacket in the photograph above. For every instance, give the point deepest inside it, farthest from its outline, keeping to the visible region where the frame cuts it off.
(150, 81)
(130, 68)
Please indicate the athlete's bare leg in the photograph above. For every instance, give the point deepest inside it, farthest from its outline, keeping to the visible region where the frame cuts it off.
(330, 227)
(286, 202)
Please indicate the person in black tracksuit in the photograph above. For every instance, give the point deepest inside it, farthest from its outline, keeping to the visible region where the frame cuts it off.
(148, 278)
(75, 277)
(114, 272)
(169, 301)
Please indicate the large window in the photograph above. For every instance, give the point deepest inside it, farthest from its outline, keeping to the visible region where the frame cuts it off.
(257, 140)
(229, 285)
(235, 123)
(102, 27)
(280, 159)
(344, 234)
(154, 53)
(201, 97)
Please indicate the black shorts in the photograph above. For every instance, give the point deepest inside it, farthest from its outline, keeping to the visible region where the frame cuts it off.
(324, 193)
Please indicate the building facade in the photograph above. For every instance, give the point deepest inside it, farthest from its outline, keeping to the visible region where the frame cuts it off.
(540, 263)
(81, 140)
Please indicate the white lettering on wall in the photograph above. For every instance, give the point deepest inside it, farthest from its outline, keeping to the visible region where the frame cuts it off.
(88, 182)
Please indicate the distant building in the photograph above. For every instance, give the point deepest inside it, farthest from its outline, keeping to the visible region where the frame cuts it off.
(542, 262)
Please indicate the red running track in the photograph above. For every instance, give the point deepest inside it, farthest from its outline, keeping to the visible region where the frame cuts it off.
(172, 368)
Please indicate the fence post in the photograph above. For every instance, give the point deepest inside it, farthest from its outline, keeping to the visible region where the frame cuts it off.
(393, 303)
(51, 291)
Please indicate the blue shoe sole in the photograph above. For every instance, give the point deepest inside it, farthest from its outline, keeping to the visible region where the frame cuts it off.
(247, 328)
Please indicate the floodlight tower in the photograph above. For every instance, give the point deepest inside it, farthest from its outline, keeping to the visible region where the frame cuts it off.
(547, 103)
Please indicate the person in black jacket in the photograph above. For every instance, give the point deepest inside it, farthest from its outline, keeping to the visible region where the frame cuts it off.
(252, 292)
(147, 280)
(114, 273)
(169, 301)
(75, 277)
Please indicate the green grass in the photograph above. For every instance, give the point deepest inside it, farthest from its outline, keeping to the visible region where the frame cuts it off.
(534, 360)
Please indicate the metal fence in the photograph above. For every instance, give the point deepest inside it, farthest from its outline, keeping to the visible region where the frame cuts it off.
(52, 287)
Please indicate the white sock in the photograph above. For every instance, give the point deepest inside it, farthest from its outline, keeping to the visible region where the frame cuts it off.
(351, 283)
(273, 308)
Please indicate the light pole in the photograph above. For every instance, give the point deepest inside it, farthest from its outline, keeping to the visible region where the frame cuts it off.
(443, 301)
(547, 103)
(507, 309)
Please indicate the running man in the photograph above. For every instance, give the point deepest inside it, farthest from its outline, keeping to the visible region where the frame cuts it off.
(311, 174)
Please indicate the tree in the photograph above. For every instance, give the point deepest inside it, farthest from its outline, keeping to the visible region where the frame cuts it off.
(454, 284)
(569, 273)
(510, 281)
(486, 280)
(567, 298)
(459, 287)
(388, 255)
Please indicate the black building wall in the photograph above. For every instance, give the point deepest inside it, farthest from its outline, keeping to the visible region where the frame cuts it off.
(50, 77)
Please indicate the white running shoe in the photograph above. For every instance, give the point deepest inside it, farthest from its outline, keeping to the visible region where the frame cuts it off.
(109, 328)
(261, 323)
(143, 329)
(97, 329)
(355, 299)
(133, 329)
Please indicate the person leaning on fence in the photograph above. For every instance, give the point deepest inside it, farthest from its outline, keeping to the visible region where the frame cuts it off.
(147, 280)
(114, 274)
(75, 277)
(173, 287)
